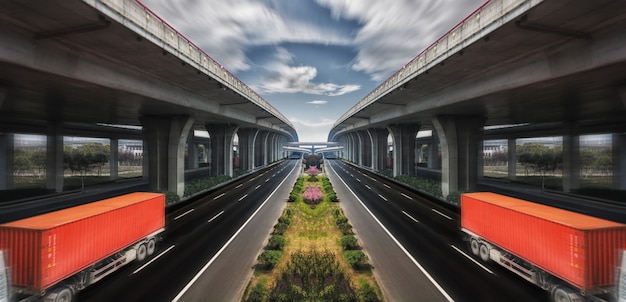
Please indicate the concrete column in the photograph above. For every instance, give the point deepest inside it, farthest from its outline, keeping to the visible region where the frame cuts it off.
(260, 148)
(246, 147)
(460, 139)
(222, 137)
(54, 158)
(164, 139)
(571, 158)
(404, 148)
(619, 161)
(191, 161)
(366, 148)
(433, 152)
(7, 157)
(378, 147)
(358, 137)
(512, 156)
(114, 159)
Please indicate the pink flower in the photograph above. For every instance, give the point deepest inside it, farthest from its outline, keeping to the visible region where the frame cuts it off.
(313, 171)
(312, 194)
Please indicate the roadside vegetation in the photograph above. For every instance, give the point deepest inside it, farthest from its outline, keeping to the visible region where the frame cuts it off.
(312, 253)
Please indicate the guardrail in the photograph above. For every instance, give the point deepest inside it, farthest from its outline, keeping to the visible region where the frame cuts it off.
(141, 16)
(452, 41)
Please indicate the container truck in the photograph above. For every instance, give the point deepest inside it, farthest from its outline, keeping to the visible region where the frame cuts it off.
(573, 256)
(52, 256)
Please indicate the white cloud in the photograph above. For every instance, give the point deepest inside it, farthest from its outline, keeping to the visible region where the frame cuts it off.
(298, 79)
(317, 102)
(312, 131)
(395, 31)
(224, 29)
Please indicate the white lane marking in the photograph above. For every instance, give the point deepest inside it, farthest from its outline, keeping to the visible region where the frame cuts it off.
(387, 186)
(220, 213)
(407, 214)
(239, 186)
(407, 196)
(368, 187)
(253, 178)
(218, 196)
(206, 266)
(358, 180)
(267, 180)
(273, 175)
(443, 292)
(442, 214)
(183, 214)
(257, 187)
(152, 260)
(473, 260)
(383, 197)
(242, 197)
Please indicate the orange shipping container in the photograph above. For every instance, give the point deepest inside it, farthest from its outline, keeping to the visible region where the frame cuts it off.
(45, 249)
(580, 249)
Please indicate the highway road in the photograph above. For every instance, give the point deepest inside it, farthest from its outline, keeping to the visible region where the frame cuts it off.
(209, 245)
(416, 246)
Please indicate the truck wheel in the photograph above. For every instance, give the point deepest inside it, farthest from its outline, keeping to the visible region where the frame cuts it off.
(142, 252)
(475, 246)
(564, 294)
(61, 294)
(151, 246)
(484, 253)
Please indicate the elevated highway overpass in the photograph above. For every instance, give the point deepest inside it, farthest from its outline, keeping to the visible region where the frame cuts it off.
(547, 67)
(73, 67)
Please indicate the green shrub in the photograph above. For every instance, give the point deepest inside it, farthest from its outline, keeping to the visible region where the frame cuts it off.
(277, 242)
(258, 293)
(171, 197)
(355, 258)
(270, 258)
(349, 242)
(341, 219)
(345, 228)
(368, 294)
(454, 197)
(280, 228)
(288, 212)
(285, 220)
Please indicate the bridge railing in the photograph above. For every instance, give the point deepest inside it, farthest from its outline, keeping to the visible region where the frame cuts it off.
(461, 35)
(136, 15)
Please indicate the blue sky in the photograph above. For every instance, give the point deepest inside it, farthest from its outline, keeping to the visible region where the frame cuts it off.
(313, 59)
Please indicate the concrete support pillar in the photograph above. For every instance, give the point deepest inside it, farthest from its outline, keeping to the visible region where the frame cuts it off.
(354, 148)
(114, 159)
(433, 152)
(460, 139)
(54, 158)
(512, 156)
(619, 161)
(222, 137)
(359, 147)
(7, 156)
(164, 139)
(571, 157)
(378, 138)
(246, 147)
(191, 161)
(366, 148)
(404, 148)
(260, 147)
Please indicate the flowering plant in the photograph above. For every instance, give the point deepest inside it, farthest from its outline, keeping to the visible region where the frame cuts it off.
(313, 171)
(312, 194)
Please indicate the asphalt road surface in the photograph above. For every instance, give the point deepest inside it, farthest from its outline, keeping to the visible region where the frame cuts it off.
(416, 246)
(209, 246)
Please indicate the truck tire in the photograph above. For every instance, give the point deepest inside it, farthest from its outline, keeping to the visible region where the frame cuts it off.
(151, 246)
(60, 294)
(142, 252)
(475, 247)
(484, 252)
(564, 294)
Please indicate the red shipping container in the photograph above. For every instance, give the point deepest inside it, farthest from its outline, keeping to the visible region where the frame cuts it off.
(580, 249)
(45, 249)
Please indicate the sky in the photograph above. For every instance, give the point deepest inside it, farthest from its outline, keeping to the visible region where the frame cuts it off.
(313, 60)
